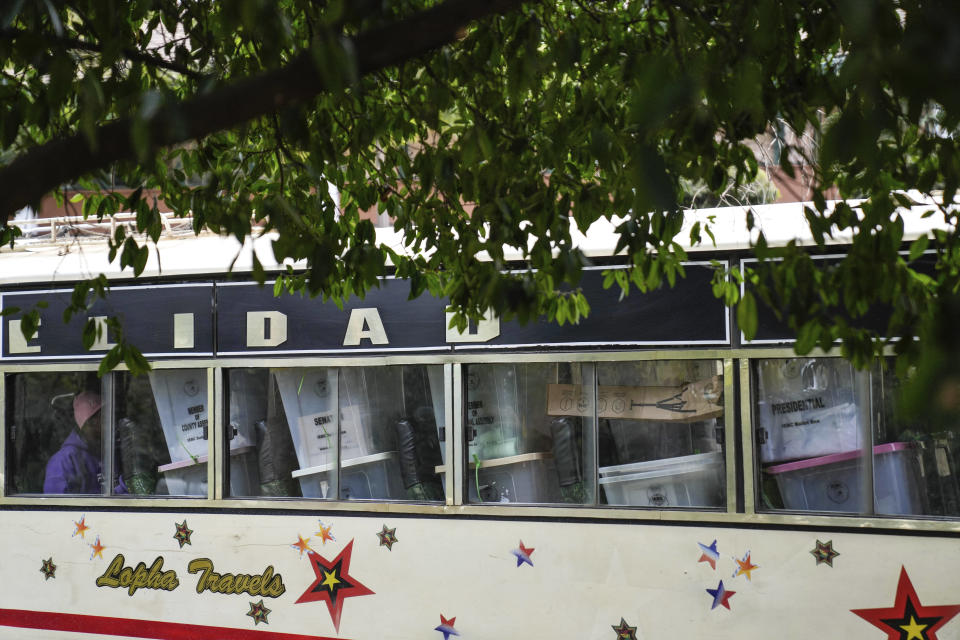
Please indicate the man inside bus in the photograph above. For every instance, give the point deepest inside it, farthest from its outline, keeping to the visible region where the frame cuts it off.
(76, 467)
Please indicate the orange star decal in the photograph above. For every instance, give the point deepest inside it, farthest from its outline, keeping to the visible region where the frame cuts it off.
(324, 533)
(301, 545)
(97, 549)
(744, 567)
(81, 527)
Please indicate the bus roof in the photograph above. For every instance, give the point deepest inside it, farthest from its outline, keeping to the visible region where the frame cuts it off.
(69, 249)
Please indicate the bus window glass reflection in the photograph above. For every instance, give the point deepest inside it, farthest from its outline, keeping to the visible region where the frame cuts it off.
(523, 447)
(830, 439)
(54, 434)
(161, 432)
(661, 433)
(347, 433)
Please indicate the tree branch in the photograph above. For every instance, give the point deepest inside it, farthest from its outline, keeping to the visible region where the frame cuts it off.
(41, 169)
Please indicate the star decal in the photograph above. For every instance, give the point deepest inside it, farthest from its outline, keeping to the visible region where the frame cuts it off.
(301, 545)
(48, 569)
(824, 553)
(81, 527)
(446, 627)
(97, 549)
(333, 583)
(387, 537)
(744, 567)
(624, 631)
(258, 611)
(710, 553)
(324, 533)
(908, 619)
(183, 533)
(720, 596)
(523, 554)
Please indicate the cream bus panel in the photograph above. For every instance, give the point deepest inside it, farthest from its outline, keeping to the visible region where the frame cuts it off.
(395, 577)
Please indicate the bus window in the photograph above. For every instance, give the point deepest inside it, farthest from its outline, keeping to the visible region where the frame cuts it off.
(54, 433)
(161, 433)
(643, 434)
(660, 438)
(530, 433)
(829, 439)
(350, 433)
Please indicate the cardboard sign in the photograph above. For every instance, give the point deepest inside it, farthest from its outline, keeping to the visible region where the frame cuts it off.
(181, 398)
(691, 402)
(311, 404)
(809, 427)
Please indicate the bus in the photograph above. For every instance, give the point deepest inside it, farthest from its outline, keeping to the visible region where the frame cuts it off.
(289, 469)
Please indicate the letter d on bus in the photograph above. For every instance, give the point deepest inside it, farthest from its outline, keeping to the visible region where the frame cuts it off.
(487, 329)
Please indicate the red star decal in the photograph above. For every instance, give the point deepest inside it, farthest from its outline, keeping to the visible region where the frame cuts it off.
(446, 627)
(907, 619)
(523, 554)
(721, 596)
(334, 584)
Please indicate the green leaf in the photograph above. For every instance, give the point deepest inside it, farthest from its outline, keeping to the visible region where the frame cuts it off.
(807, 337)
(91, 331)
(110, 360)
(30, 323)
(919, 246)
(747, 315)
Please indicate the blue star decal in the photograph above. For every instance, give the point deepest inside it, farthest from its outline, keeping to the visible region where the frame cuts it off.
(710, 553)
(721, 596)
(446, 627)
(523, 554)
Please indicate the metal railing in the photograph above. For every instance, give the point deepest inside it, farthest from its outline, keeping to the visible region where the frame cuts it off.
(78, 229)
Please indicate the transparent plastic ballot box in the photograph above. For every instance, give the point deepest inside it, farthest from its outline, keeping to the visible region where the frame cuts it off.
(682, 481)
(189, 477)
(833, 482)
(375, 476)
(528, 478)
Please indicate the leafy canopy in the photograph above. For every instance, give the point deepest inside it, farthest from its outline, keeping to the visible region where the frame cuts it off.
(480, 125)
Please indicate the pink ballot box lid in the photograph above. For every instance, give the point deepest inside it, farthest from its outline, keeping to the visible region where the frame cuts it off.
(890, 447)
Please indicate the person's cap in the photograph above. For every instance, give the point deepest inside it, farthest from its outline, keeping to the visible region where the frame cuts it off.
(84, 406)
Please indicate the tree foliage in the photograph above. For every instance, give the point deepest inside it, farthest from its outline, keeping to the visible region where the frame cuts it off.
(480, 125)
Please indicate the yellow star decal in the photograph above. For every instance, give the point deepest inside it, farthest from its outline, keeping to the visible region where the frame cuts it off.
(914, 629)
(331, 579)
(324, 533)
(81, 527)
(301, 545)
(97, 549)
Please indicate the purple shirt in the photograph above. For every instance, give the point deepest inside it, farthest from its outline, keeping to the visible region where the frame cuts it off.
(73, 468)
